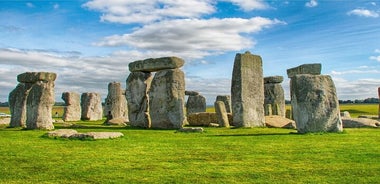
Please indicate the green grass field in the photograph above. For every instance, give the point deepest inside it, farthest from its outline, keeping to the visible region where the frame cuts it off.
(219, 155)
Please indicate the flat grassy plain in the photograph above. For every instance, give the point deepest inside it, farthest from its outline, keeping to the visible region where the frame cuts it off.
(219, 155)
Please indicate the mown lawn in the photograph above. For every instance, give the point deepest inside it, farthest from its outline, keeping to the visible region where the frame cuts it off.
(219, 155)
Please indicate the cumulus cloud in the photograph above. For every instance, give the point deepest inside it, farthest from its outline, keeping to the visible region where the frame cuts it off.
(376, 58)
(356, 89)
(146, 11)
(363, 13)
(193, 38)
(311, 3)
(249, 5)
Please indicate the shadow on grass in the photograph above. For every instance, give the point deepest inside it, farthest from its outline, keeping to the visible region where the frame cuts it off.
(255, 134)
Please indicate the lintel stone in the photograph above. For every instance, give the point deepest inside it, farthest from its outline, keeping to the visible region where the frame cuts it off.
(156, 64)
(313, 69)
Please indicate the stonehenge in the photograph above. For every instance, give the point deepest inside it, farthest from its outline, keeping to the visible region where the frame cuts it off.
(274, 102)
(156, 102)
(226, 99)
(247, 91)
(32, 100)
(91, 105)
(72, 110)
(195, 102)
(116, 103)
(314, 101)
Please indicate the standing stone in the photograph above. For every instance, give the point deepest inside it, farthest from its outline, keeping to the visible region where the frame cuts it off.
(247, 91)
(91, 104)
(315, 104)
(72, 110)
(138, 85)
(274, 95)
(226, 99)
(17, 104)
(116, 102)
(196, 103)
(167, 99)
(221, 113)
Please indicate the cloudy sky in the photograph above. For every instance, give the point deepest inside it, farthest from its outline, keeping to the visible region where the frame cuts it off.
(90, 43)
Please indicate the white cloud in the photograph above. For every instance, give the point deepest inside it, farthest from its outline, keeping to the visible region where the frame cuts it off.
(146, 11)
(193, 38)
(377, 50)
(311, 3)
(376, 58)
(356, 89)
(249, 5)
(355, 71)
(363, 13)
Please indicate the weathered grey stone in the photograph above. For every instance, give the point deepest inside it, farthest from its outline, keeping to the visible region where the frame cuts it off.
(191, 93)
(116, 121)
(116, 102)
(378, 92)
(268, 109)
(315, 104)
(5, 121)
(104, 135)
(73, 134)
(190, 129)
(273, 79)
(40, 101)
(156, 64)
(32, 77)
(313, 69)
(359, 123)
(72, 110)
(196, 103)
(274, 95)
(221, 114)
(205, 118)
(91, 104)
(63, 133)
(17, 104)
(226, 99)
(167, 99)
(345, 114)
(247, 91)
(138, 85)
(279, 122)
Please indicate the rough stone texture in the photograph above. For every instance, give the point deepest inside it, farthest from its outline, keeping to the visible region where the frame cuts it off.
(196, 103)
(91, 104)
(167, 99)
(360, 123)
(221, 114)
(274, 95)
(5, 121)
(315, 104)
(32, 77)
(17, 104)
(247, 91)
(73, 134)
(205, 118)
(39, 105)
(273, 79)
(345, 114)
(267, 109)
(72, 110)
(156, 64)
(138, 85)
(190, 129)
(116, 121)
(191, 93)
(313, 69)
(226, 99)
(279, 122)
(63, 133)
(116, 102)
(378, 91)
(103, 135)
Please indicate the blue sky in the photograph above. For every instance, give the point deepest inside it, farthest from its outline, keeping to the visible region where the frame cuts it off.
(90, 43)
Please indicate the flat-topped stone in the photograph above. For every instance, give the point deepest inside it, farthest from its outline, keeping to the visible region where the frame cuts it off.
(32, 77)
(156, 64)
(191, 93)
(313, 69)
(273, 79)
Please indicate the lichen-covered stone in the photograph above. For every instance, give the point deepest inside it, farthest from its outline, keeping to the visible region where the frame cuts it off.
(116, 102)
(195, 103)
(91, 104)
(247, 91)
(275, 97)
(315, 104)
(17, 104)
(72, 110)
(226, 99)
(273, 79)
(221, 114)
(32, 77)
(191, 93)
(167, 99)
(205, 118)
(156, 64)
(138, 85)
(313, 69)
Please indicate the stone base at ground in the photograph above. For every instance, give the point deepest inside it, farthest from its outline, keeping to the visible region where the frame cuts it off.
(116, 121)
(204, 118)
(73, 134)
(360, 123)
(190, 129)
(279, 122)
(5, 121)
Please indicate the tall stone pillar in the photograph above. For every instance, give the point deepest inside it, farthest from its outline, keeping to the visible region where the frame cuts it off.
(195, 103)
(247, 91)
(17, 104)
(116, 102)
(274, 96)
(91, 104)
(72, 110)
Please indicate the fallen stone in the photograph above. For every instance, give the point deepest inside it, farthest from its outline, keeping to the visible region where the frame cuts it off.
(32, 77)
(273, 79)
(345, 114)
(191, 129)
(279, 122)
(204, 118)
(156, 64)
(5, 121)
(360, 123)
(313, 69)
(213, 125)
(63, 133)
(104, 135)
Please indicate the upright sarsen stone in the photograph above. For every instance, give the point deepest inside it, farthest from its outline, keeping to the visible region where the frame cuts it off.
(72, 110)
(116, 102)
(274, 96)
(17, 104)
(167, 99)
(315, 104)
(196, 103)
(247, 91)
(138, 85)
(226, 99)
(91, 104)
